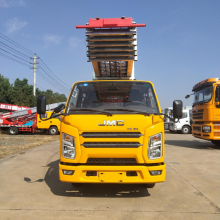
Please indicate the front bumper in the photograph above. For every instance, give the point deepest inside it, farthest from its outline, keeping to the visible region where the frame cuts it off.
(213, 135)
(172, 127)
(112, 174)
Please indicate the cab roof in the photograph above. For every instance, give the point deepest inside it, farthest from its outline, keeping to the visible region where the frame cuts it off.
(205, 82)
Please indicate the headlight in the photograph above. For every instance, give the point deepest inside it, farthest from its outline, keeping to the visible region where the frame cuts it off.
(69, 150)
(155, 146)
(206, 129)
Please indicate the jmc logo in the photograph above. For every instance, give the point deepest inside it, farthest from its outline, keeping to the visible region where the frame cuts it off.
(112, 123)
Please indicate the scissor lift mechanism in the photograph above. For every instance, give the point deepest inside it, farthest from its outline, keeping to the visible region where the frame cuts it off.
(112, 47)
(21, 118)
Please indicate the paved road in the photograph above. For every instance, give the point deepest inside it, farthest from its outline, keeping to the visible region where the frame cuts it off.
(30, 187)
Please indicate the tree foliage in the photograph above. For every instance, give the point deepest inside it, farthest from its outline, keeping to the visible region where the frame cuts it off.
(21, 93)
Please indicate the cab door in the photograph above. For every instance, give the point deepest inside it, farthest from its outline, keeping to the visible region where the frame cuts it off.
(216, 107)
(43, 124)
(40, 123)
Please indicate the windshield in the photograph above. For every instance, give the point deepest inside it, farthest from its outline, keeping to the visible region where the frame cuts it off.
(203, 95)
(112, 96)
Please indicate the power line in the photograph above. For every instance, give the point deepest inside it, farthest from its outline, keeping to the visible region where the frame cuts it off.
(46, 73)
(40, 87)
(13, 50)
(50, 82)
(52, 72)
(15, 56)
(16, 44)
(51, 77)
(10, 58)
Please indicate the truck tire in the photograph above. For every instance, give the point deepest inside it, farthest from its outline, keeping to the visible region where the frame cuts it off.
(13, 130)
(150, 185)
(216, 142)
(186, 130)
(53, 130)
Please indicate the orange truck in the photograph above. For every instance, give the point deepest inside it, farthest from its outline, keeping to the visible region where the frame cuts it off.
(112, 128)
(206, 110)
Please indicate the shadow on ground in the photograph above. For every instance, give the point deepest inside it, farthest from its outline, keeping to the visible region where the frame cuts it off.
(193, 144)
(88, 190)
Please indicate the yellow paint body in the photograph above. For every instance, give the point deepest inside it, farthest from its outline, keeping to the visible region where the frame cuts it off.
(47, 124)
(75, 125)
(209, 114)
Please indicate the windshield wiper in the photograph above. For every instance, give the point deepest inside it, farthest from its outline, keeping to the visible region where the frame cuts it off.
(129, 110)
(91, 110)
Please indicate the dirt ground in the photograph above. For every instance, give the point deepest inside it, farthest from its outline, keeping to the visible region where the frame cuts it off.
(11, 144)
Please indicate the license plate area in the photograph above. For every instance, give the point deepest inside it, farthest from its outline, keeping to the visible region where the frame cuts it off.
(111, 176)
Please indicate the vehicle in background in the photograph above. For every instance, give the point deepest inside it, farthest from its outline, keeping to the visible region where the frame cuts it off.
(25, 120)
(206, 110)
(10, 107)
(169, 112)
(112, 128)
(184, 123)
(52, 125)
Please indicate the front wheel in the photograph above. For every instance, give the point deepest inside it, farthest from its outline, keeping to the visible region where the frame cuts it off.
(53, 130)
(216, 142)
(149, 185)
(185, 130)
(13, 130)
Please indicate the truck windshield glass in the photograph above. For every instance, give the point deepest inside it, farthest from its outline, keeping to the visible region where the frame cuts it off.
(203, 95)
(112, 95)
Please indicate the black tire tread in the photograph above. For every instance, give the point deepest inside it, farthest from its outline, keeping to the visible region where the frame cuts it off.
(52, 127)
(16, 130)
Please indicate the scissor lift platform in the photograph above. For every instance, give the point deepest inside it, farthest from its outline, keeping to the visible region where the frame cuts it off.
(112, 47)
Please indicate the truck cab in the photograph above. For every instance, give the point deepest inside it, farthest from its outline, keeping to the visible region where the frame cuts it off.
(206, 110)
(110, 134)
(52, 125)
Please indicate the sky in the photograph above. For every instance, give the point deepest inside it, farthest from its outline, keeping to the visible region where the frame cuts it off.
(179, 47)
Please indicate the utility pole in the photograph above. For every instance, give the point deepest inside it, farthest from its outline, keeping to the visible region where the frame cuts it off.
(35, 67)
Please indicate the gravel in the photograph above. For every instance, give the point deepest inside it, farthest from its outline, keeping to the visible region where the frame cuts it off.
(12, 144)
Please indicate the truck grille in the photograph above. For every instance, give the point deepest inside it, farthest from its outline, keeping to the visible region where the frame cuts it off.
(217, 134)
(198, 114)
(111, 134)
(111, 144)
(196, 128)
(217, 126)
(111, 161)
(199, 122)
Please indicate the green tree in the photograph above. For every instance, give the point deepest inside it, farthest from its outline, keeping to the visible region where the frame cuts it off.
(5, 90)
(21, 93)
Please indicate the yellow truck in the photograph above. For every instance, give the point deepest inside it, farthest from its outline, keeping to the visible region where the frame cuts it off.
(52, 125)
(112, 128)
(206, 110)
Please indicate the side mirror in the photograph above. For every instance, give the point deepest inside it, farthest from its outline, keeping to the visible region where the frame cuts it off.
(177, 109)
(41, 104)
(187, 96)
(59, 108)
